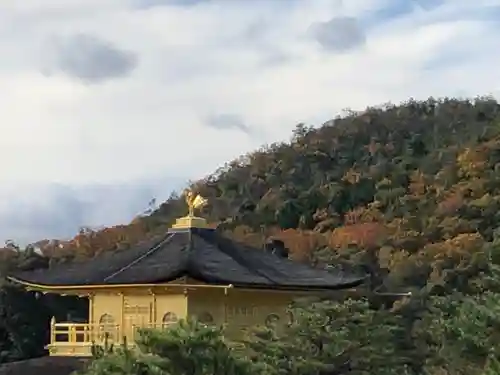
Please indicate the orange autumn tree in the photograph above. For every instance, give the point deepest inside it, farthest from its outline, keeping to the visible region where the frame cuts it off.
(450, 204)
(472, 161)
(301, 243)
(89, 243)
(363, 228)
(453, 256)
(362, 235)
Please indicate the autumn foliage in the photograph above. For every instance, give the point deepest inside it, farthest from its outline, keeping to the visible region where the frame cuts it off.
(409, 193)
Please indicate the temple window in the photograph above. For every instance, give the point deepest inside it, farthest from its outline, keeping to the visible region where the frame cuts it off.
(169, 318)
(107, 324)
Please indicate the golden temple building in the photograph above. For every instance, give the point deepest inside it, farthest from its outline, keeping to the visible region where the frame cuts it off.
(189, 271)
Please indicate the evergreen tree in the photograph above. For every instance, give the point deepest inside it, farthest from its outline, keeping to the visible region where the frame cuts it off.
(185, 348)
(328, 337)
(461, 332)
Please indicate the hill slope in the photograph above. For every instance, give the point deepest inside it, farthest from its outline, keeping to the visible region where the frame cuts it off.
(391, 188)
(397, 178)
(409, 192)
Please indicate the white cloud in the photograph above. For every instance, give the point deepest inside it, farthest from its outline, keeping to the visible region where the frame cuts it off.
(259, 63)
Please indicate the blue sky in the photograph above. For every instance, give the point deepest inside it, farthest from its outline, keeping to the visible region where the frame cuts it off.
(106, 104)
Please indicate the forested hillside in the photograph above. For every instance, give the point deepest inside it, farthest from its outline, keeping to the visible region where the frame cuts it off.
(410, 193)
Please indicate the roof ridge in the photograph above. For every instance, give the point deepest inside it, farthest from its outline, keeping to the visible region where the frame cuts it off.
(137, 260)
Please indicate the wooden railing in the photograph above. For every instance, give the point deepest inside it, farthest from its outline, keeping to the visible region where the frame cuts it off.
(97, 333)
(83, 332)
(76, 339)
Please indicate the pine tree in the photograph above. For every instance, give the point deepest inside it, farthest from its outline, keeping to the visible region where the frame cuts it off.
(186, 348)
(328, 337)
(194, 348)
(462, 331)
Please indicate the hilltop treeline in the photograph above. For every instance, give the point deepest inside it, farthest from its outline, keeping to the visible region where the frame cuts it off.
(409, 192)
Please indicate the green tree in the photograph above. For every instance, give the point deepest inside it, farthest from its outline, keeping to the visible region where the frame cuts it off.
(187, 348)
(461, 332)
(335, 338)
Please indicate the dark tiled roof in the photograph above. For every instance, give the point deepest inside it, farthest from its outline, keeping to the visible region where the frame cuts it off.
(202, 254)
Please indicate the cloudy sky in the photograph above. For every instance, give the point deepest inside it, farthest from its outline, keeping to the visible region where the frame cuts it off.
(106, 104)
